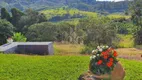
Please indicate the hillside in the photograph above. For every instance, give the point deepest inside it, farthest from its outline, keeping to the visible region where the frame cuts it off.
(86, 5)
(61, 14)
(66, 14)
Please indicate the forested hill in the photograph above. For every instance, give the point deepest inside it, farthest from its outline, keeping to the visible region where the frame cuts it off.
(86, 5)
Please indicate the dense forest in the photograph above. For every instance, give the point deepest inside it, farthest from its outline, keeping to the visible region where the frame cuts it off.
(70, 25)
(86, 5)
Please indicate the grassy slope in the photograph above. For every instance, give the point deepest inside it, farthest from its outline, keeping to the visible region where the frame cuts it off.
(127, 41)
(22, 67)
(60, 12)
(115, 16)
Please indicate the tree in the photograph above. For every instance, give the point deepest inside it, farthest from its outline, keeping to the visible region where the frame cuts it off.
(123, 26)
(6, 30)
(99, 32)
(136, 10)
(31, 17)
(69, 32)
(45, 31)
(16, 15)
(5, 14)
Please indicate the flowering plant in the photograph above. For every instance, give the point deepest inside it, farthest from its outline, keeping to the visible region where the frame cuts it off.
(103, 60)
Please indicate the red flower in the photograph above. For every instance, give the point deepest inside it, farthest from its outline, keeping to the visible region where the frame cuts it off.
(104, 53)
(111, 59)
(105, 57)
(115, 54)
(99, 62)
(109, 64)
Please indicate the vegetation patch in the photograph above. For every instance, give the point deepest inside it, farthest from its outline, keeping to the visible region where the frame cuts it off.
(63, 14)
(126, 41)
(67, 48)
(117, 16)
(22, 67)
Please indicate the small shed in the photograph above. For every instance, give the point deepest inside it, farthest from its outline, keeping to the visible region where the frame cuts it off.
(41, 48)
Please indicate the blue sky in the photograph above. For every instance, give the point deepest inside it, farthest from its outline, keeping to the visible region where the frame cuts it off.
(111, 0)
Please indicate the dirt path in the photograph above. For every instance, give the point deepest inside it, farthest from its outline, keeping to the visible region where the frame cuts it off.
(130, 53)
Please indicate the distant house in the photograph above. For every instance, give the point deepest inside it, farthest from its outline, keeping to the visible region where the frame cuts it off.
(41, 48)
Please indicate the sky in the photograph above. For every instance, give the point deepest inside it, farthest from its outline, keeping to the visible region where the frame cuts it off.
(111, 0)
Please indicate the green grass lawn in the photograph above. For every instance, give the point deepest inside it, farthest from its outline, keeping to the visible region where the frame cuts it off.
(24, 67)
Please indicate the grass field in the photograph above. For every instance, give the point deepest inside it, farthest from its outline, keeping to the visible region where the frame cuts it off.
(22, 67)
(66, 64)
(61, 49)
(57, 67)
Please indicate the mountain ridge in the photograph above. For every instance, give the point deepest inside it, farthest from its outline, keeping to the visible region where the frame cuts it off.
(85, 5)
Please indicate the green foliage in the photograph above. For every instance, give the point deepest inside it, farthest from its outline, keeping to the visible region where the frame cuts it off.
(87, 50)
(126, 41)
(63, 14)
(18, 37)
(5, 14)
(6, 30)
(63, 31)
(118, 16)
(85, 5)
(55, 67)
(70, 33)
(31, 17)
(138, 37)
(124, 26)
(136, 10)
(16, 15)
(75, 27)
(99, 32)
(45, 31)
(35, 16)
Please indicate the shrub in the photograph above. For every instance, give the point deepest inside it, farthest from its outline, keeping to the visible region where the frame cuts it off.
(87, 50)
(18, 37)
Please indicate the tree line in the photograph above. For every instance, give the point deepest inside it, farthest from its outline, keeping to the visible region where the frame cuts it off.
(18, 21)
(90, 31)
